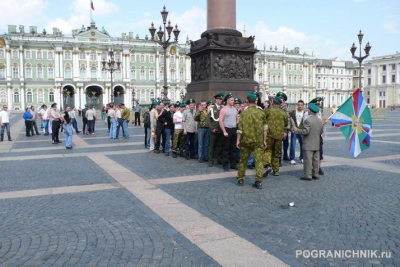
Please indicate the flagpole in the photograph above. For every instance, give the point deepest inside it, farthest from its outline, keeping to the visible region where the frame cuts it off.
(90, 6)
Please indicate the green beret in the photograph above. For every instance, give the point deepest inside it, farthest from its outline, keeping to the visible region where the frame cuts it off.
(238, 100)
(190, 101)
(314, 108)
(219, 95)
(278, 99)
(209, 102)
(316, 100)
(182, 105)
(252, 96)
(229, 95)
(155, 103)
(282, 95)
(86, 105)
(171, 105)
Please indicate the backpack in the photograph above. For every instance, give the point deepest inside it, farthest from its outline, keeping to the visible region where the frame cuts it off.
(147, 119)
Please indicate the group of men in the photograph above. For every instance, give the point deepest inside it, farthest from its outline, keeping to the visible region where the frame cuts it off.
(238, 134)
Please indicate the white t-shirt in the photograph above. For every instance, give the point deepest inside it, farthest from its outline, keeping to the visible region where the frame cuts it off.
(299, 116)
(178, 116)
(118, 113)
(5, 116)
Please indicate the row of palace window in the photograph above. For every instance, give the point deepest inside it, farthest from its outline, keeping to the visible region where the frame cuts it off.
(93, 56)
(332, 71)
(277, 65)
(29, 97)
(276, 79)
(93, 73)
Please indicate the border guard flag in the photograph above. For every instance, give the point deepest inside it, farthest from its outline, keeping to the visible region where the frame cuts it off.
(353, 118)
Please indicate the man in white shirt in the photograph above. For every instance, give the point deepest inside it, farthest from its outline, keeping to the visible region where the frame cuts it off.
(5, 122)
(72, 116)
(90, 116)
(296, 119)
(179, 137)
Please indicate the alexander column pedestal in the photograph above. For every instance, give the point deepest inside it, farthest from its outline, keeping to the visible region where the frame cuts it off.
(222, 60)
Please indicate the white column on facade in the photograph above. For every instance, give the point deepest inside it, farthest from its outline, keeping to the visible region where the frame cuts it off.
(75, 65)
(284, 66)
(56, 65)
(8, 68)
(60, 54)
(21, 63)
(157, 74)
(23, 98)
(265, 72)
(126, 66)
(168, 68)
(77, 97)
(188, 76)
(83, 99)
(88, 67)
(177, 71)
(98, 75)
(10, 98)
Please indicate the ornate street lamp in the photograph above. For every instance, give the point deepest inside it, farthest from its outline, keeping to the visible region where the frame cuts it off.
(111, 65)
(360, 58)
(164, 42)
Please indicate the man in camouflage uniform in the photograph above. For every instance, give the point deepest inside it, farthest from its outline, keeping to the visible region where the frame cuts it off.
(203, 134)
(277, 120)
(285, 139)
(178, 142)
(251, 138)
(216, 135)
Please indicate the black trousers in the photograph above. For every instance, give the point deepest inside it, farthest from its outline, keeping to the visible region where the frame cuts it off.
(137, 118)
(90, 126)
(159, 133)
(55, 128)
(28, 126)
(84, 125)
(190, 145)
(216, 143)
(34, 127)
(109, 123)
(229, 147)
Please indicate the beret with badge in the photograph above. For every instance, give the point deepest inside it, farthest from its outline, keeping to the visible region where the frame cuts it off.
(190, 101)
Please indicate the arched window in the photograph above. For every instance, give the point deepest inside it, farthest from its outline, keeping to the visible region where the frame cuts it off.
(82, 55)
(133, 74)
(15, 54)
(50, 73)
(29, 98)
(50, 55)
(28, 71)
(67, 55)
(82, 73)
(142, 96)
(172, 60)
(51, 97)
(118, 57)
(151, 59)
(3, 97)
(181, 60)
(27, 54)
(104, 74)
(118, 75)
(93, 55)
(15, 73)
(40, 71)
(39, 55)
(173, 77)
(152, 94)
(40, 96)
(1, 53)
(260, 78)
(133, 58)
(182, 75)
(93, 73)
(16, 97)
(152, 75)
(142, 73)
(141, 58)
(67, 73)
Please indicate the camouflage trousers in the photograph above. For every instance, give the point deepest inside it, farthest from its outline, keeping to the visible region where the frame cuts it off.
(274, 153)
(178, 143)
(259, 155)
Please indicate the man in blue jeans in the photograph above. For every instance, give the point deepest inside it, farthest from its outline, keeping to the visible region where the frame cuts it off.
(203, 133)
(167, 117)
(66, 124)
(5, 116)
(296, 119)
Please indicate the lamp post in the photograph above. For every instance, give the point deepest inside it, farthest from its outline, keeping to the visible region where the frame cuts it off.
(164, 42)
(111, 65)
(360, 58)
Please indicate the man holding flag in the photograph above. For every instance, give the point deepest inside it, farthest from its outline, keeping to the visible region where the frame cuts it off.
(353, 118)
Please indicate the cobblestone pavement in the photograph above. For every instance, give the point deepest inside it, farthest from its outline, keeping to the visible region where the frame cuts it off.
(112, 203)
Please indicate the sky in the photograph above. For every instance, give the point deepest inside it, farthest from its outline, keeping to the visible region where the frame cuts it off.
(326, 28)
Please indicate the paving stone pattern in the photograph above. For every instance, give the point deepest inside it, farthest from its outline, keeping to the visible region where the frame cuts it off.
(106, 228)
(349, 208)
